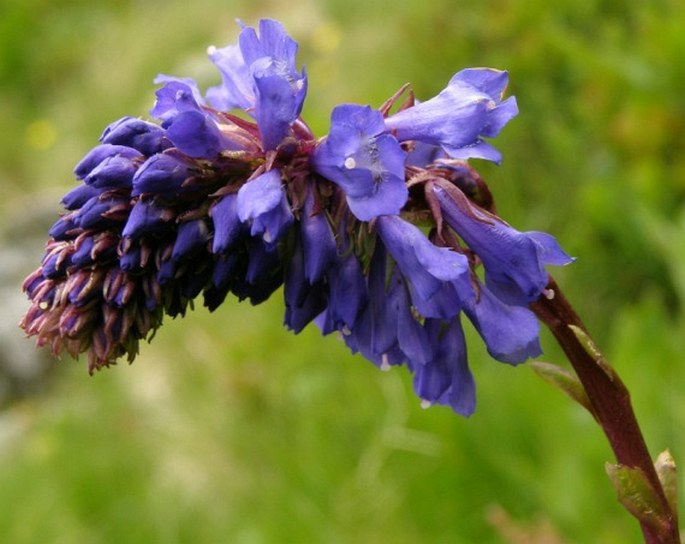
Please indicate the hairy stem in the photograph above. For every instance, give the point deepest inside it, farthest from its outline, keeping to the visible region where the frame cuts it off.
(610, 401)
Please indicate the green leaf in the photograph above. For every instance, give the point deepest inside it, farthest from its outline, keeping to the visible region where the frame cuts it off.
(565, 381)
(638, 496)
(666, 471)
(593, 351)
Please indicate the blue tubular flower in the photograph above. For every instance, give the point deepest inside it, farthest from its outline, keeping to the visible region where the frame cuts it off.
(191, 238)
(510, 333)
(279, 89)
(412, 337)
(469, 108)
(115, 172)
(347, 295)
(176, 96)
(320, 250)
(364, 160)
(147, 218)
(263, 203)
(446, 379)
(228, 228)
(163, 174)
(375, 332)
(303, 300)
(428, 269)
(146, 137)
(103, 152)
(236, 89)
(197, 135)
(514, 261)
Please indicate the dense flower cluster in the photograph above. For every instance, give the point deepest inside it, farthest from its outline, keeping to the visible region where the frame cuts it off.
(209, 203)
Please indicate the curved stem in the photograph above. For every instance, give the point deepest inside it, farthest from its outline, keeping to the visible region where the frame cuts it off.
(610, 401)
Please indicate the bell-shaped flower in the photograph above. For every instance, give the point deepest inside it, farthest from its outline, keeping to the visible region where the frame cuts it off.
(163, 174)
(114, 172)
(176, 96)
(78, 196)
(364, 160)
(101, 152)
(303, 300)
(147, 218)
(510, 333)
(446, 379)
(147, 138)
(374, 334)
(457, 119)
(514, 261)
(278, 88)
(347, 294)
(430, 271)
(198, 135)
(228, 228)
(320, 249)
(263, 204)
(412, 337)
(192, 236)
(237, 87)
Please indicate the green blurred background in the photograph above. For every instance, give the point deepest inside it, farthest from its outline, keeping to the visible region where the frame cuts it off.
(229, 429)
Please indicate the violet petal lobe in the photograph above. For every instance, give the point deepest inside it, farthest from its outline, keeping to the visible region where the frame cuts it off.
(510, 333)
(467, 109)
(514, 261)
(364, 160)
(262, 202)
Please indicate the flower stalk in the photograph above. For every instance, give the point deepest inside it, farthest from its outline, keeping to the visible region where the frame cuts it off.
(610, 402)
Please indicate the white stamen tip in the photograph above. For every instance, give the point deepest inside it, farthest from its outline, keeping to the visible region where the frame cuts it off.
(267, 237)
(211, 50)
(43, 305)
(346, 331)
(350, 163)
(385, 363)
(425, 404)
(299, 84)
(549, 293)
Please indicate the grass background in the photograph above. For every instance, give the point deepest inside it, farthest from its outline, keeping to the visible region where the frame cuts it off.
(229, 429)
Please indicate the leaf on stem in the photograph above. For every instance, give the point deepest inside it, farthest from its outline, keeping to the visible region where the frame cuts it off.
(565, 381)
(593, 351)
(638, 496)
(666, 471)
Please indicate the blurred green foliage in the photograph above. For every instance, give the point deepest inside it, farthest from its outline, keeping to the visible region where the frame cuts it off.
(229, 429)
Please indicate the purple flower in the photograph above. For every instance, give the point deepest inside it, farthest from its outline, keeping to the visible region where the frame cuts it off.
(236, 90)
(147, 138)
(259, 76)
(197, 135)
(228, 228)
(446, 379)
(176, 96)
(163, 174)
(147, 218)
(430, 271)
(470, 108)
(279, 89)
(364, 160)
(347, 295)
(320, 250)
(510, 333)
(262, 202)
(114, 172)
(100, 153)
(514, 261)
(78, 196)
(191, 238)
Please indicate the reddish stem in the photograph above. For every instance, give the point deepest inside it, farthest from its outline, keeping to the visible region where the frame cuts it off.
(610, 401)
